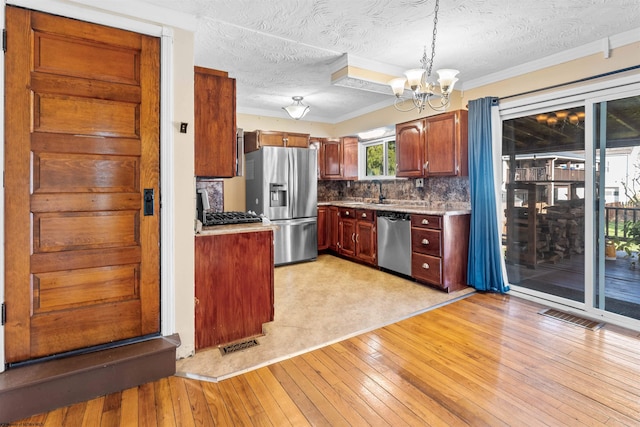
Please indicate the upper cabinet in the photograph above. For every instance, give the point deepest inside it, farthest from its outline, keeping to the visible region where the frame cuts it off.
(215, 123)
(261, 138)
(433, 146)
(410, 146)
(339, 158)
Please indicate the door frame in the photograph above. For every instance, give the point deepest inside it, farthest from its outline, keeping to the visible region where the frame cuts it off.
(100, 13)
(586, 95)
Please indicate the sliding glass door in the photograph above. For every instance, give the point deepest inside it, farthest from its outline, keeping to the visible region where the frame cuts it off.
(617, 187)
(544, 201)
(571, 202)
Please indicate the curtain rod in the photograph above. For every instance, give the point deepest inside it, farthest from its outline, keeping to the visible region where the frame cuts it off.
(584, 79)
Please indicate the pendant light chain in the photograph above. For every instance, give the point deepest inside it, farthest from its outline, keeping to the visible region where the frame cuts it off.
(427, 63)
(423, 91)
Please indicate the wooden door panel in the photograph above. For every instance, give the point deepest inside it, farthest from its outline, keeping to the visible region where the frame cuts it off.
(75, 115)
(43, 262)
(64, 56)
(56, 172)
(52, 142)
(83, 138)
(85, 202)
(79, 230)
(61, 290)
(49, 83)
(111, 322)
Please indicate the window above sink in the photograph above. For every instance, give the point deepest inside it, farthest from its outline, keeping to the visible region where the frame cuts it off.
(377, 158)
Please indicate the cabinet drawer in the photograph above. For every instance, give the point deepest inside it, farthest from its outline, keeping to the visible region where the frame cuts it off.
(347, 213)
(426, 221)
(426, 241)
(426, 268)
(365, 215)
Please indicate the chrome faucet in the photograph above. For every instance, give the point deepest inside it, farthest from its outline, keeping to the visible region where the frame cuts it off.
(380, 195)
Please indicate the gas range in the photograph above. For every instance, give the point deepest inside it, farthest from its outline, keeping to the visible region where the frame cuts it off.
(224, 218)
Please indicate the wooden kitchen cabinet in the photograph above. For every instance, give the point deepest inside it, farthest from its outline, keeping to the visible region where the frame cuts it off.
(358, 234)
(233, 291)
(323, 229)
(410, 146)
(347, 232)
(433, 146)
(350, 158)
(339, 158)
(333, 223)
(366, 238)
(331, 159)
(439, 250)
(261, 138)
(446, 151)
(215, 123)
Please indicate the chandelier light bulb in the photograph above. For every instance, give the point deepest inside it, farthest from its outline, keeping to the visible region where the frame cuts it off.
(447, 79)
(397, 86)
(414, 77)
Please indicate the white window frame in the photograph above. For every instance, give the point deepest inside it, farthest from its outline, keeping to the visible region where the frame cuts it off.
(586, 95)
(362, 158)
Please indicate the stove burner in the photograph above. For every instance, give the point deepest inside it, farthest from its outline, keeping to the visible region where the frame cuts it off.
(223, 218)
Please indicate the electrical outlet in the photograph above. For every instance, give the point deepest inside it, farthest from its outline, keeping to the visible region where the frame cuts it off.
(348, 184)
(419, 182)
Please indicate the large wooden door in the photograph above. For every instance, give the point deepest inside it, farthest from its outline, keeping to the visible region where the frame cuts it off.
(81, 146)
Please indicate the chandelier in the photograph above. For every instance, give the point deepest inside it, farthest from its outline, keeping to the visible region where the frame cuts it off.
(424, 91)
(297, 110)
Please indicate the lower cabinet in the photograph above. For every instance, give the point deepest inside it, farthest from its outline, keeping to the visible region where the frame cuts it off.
(439, 250)
(323, 229)
(333, 227)
(357, 233)
(234, 292)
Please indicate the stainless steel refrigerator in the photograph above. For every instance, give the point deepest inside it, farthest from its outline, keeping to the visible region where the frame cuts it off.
(282, 184)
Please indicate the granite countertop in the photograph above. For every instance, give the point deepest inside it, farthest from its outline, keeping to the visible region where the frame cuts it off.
(404, 206)
(217, 230)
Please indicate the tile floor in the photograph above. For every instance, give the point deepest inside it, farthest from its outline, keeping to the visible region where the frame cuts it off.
(318, 303)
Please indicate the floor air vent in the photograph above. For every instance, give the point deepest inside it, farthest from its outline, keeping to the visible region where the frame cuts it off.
(238, 346)
(570, 318)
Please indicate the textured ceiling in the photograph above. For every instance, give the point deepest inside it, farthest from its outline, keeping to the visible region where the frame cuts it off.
(280, 48)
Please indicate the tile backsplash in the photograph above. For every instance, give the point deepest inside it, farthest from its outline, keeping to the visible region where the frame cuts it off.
(452, 191)
(215, 190)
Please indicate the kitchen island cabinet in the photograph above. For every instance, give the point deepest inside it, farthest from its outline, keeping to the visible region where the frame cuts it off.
(234, 292)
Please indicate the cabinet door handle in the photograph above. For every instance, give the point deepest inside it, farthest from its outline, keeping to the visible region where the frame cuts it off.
(425, 222)
(425, 241)
(357, 236)
(426, 165)
(425, 266)
(346, 213)
(364, 215)
(353, 237)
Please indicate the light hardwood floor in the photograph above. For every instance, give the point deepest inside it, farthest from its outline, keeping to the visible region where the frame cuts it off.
(485, 360)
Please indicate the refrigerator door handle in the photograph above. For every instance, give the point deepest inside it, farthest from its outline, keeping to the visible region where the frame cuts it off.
(293, 187)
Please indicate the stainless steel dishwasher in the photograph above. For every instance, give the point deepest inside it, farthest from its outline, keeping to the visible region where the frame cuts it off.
(394, 242)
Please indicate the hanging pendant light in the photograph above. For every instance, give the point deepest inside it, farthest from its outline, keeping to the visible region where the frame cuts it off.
(297, 110)
(423, 91)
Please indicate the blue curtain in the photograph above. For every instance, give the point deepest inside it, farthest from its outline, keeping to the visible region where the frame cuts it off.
(485, 264)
